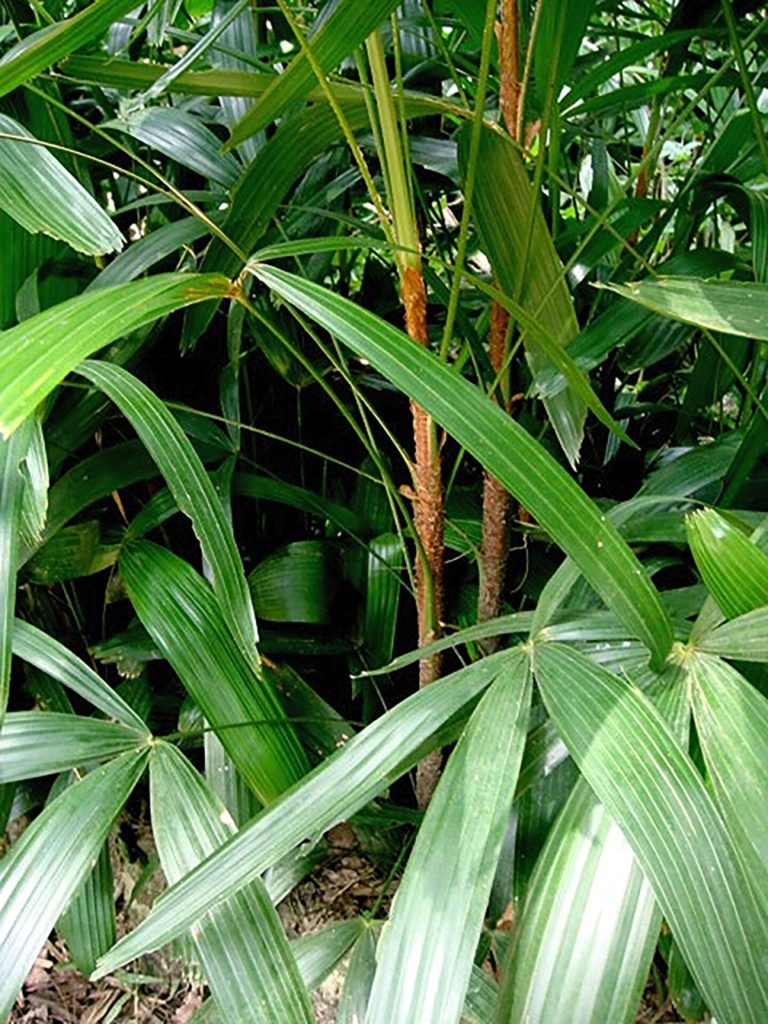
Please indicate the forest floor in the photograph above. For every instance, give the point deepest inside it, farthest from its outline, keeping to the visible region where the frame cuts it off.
(161, 990)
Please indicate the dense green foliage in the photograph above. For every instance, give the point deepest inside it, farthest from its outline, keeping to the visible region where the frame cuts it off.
(211, 219)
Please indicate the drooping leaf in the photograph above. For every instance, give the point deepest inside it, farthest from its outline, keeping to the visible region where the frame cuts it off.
(248, 964)
(734, 307)
(655, 794)
(149, 250)
(331, 793)
(522, 253)
(249, 485)
(502, 447)
(180, 612)
(44, 867)
(426, 954)
(185, 139)
(41, 49)
(41, 194)
(37, 354)
(190, 485)
(12, 453)
(48, 655)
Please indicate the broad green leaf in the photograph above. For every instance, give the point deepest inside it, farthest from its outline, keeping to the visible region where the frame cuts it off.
(127, 75)
(37, 648)
(248, 964)
(734, 307)
(36, 355)
(317, 954)
(653, 791)
(41, 194)
(88, 924)
(734, 569)
(426, 953)
(185, 139)
(333, 792)
(149, 250)
(53, 856)
(744, 638)
(502, 447)
(585, 940)
(688, 471)
(190, 485)
(341, 32)
(582, 948)
(12, 453)
(299, 582)
(34, 743)
(180, 612)
(41, 49)
(518, 243)
(74, 551)
(732, 724)
(321, 729)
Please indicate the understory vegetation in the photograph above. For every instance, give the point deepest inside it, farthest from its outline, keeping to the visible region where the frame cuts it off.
(383, 420)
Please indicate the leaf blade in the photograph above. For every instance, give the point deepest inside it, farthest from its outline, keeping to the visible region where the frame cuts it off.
(37, 354)
(41, 194)
(425, 960)
(41, 871)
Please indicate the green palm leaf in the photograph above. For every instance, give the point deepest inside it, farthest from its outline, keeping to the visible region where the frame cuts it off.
(502, 447)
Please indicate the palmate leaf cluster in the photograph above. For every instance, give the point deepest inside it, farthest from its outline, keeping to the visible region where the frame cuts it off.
(206, 541)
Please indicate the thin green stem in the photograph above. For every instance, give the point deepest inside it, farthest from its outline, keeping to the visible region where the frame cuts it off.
(399, 195)
(469, 184)
(349, 135)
